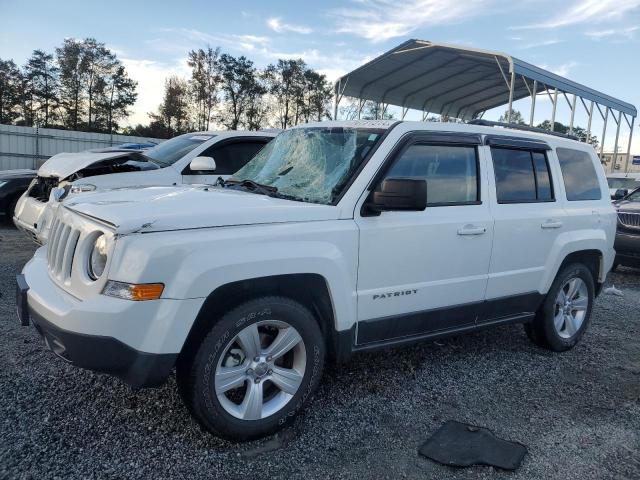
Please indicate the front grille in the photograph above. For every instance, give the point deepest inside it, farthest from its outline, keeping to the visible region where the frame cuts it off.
(42, 186)
(61, 248)
(629, 219)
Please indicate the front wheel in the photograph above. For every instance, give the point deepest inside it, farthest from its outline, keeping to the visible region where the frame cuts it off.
(255, 370)
(563, 317)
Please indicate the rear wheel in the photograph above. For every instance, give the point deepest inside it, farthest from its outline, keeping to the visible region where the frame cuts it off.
(255, 370)
(564, 316)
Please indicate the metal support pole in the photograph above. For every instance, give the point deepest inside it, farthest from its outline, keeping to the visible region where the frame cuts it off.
(404, 112)
(533, 102)
(573, 114)
(553, 112)
(604, 132)
(511, 88)
(589, 122)
(336, 100)
(626, 167)
(360, 107)
(384, 110)
(615, 144)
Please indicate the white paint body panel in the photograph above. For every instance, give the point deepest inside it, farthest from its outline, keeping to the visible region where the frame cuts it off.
(195, 240)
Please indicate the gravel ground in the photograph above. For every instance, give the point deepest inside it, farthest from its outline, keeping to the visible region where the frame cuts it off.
(577, 412)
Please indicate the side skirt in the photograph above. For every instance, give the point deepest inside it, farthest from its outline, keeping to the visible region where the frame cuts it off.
(442, 322)
(382, 344)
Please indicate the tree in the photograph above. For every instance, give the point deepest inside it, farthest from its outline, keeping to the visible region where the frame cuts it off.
(317, 96)
(173, 112)
(286, 80)
(70, 59)
(10, 85)
(203, 84)
(115, 93)
(97, 62)
(516, 117)
(240, 87)
(370, 110)
(42, 74)
(579, 132)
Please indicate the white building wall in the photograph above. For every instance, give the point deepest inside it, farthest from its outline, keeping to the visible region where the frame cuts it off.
(30, 147)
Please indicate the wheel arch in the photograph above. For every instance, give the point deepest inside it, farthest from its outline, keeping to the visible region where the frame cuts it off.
(592, 258)
(309, 289)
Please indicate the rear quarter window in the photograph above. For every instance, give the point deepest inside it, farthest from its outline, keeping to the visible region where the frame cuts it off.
(579, 175)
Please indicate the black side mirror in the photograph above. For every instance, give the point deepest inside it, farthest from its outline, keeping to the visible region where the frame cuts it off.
(408, 194)
(620, 193)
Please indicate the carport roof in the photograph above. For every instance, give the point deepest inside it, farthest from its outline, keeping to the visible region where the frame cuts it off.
(457, 81)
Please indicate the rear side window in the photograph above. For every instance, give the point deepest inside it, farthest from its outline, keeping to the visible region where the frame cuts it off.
(522, 176)
(451, 172)
(579, 175)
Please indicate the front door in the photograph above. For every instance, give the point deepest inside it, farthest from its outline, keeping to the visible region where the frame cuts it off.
(426, 271)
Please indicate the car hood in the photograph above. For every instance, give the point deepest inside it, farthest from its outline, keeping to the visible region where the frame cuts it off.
(64, 164)
(11, 174)
(184, 207)
(626, 206)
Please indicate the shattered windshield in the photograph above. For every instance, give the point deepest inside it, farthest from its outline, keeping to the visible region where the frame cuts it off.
(169, 152)
(311, 164)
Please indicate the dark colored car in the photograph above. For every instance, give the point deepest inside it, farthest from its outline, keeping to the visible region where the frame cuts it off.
(13, 183)
(628, 235)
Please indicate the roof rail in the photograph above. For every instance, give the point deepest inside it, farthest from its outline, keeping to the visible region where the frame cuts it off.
(489, 123)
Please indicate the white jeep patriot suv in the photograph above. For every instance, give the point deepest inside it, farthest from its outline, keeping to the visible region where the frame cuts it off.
(338, 237)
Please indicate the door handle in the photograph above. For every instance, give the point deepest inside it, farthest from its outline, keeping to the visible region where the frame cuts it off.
(471, 230)
(551, 224)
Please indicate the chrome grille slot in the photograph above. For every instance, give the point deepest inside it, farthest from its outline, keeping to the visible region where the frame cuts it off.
(629, 219)
(61, 248)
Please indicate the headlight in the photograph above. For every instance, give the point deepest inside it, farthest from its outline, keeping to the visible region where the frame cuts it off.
(83, 188)
(98, 258)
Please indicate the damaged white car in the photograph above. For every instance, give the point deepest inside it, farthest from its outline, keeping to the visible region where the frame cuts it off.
(193, 158)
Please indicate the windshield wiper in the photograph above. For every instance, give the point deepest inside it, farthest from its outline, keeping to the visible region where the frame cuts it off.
(251, 186)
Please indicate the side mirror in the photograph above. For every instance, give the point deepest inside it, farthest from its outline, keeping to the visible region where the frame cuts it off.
(203, 164)
(620, 193)
(408, 194)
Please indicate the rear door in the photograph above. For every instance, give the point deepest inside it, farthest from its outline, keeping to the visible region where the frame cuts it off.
(230, 156)
(528, 221)
(424, 271)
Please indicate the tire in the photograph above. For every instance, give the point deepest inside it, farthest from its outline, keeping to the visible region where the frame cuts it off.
(11, 209)
(552, 328)
(222, 361)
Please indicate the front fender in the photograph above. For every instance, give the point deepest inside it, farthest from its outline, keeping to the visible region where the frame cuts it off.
(194, 263)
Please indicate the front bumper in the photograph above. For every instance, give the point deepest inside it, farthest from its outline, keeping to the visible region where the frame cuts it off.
(628, 249)
(138, 342)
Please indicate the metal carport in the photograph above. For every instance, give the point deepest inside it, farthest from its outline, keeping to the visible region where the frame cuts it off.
(464, 83)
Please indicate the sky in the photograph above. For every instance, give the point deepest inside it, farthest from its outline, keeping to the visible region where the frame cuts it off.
(594, 42)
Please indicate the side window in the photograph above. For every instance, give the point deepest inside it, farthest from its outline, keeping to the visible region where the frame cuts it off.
(522, 176)
(231, 157)
(451, 172)
(579, 175)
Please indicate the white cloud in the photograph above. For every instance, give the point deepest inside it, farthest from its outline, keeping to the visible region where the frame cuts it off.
(613, 33)
(380, 20)
(278, 26)
(150, 76)
(541, 43)
(563, 70)
(587, 11)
